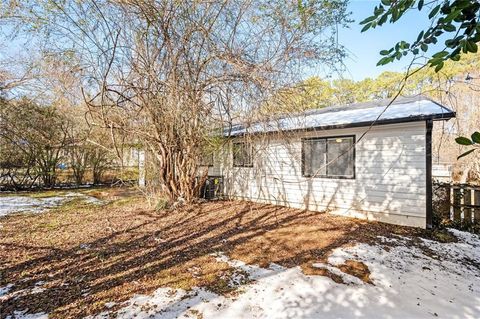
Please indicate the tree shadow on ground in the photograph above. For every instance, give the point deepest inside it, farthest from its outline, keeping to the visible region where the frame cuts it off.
(112, 254)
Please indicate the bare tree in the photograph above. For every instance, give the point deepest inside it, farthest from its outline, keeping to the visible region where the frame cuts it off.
(35, 137)
(170, 73)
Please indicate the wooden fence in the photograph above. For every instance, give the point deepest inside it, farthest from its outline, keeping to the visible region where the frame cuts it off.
(458, 202)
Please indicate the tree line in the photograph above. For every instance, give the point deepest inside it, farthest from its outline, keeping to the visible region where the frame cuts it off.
(315, 92)
(38, 142)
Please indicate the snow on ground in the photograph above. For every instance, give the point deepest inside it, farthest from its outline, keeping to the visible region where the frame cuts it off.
(24, 313)
(15, 204)
(438, 281)
(5, 290)
(410, 281)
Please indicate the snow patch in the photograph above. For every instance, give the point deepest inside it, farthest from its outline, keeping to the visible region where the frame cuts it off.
(6, 294)
(164, 303)
(24, 315)
(408, 283)
(110, 304)
(4, 290)
(335, 116)
(16, 204)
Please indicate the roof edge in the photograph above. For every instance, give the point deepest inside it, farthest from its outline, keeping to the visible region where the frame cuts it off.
(441, 105)
(435, 117)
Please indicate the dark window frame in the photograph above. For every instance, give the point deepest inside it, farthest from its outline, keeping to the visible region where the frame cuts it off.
(326, 138)
(250, 146)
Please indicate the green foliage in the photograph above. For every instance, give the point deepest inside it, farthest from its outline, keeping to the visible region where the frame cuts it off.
(474, 141)
(463, 141)
(455, 20)
(476, 137)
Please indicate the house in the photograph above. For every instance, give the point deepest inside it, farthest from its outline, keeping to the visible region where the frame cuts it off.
(442, 172)
(363, 160)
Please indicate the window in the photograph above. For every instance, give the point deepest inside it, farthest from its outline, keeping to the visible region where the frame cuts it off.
(332, 157)
(242, 154)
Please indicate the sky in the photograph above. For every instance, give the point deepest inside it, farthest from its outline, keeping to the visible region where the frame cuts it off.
(364, 47)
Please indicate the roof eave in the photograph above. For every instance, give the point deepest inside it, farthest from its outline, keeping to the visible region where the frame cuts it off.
(434, 117)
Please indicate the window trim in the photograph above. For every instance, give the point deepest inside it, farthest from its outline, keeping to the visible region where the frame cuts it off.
(251, 154)
(326, 176)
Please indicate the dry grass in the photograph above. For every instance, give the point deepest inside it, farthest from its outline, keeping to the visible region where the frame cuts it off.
(87, 255)
(357, 269)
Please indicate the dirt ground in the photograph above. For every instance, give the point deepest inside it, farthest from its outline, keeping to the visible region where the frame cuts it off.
(83, 256)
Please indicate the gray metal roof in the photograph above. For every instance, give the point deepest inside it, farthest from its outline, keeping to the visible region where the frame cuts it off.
(403, 109)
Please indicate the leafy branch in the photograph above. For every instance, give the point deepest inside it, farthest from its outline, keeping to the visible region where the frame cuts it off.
(474, 141)
(457, 19)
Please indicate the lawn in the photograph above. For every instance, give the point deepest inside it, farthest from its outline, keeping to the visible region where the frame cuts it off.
(118, 257)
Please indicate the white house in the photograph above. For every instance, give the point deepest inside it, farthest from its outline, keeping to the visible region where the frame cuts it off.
(442, 172)
(362, 160)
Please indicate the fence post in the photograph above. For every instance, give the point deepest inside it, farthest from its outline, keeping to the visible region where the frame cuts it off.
(472, 202)
(141, 168)
(476, 213)
(452, 201)
(467, 201)
(462, 203)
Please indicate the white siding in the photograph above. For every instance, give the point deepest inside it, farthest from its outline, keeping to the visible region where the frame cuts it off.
(389, 182)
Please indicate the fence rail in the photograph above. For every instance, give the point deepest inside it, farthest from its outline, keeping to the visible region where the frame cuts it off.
(24, 180)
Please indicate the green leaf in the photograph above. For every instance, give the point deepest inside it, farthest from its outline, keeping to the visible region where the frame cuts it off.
(449, 27)
(439, 66)
(420, 36)
(466, 153)
(384, 61)
(420, 5)
(452, 15)
(395, 14)
(472, 47)
(366, 27)
(434, 12)
(463, 141)
(440, 55)
(464, 46)
(384, 52)
(455, 57)
(424, 47)
(386, 2)
(369, 19)
(462, 4)
(450, 43)
(376, 11)
(383, 19)
(476, 137)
